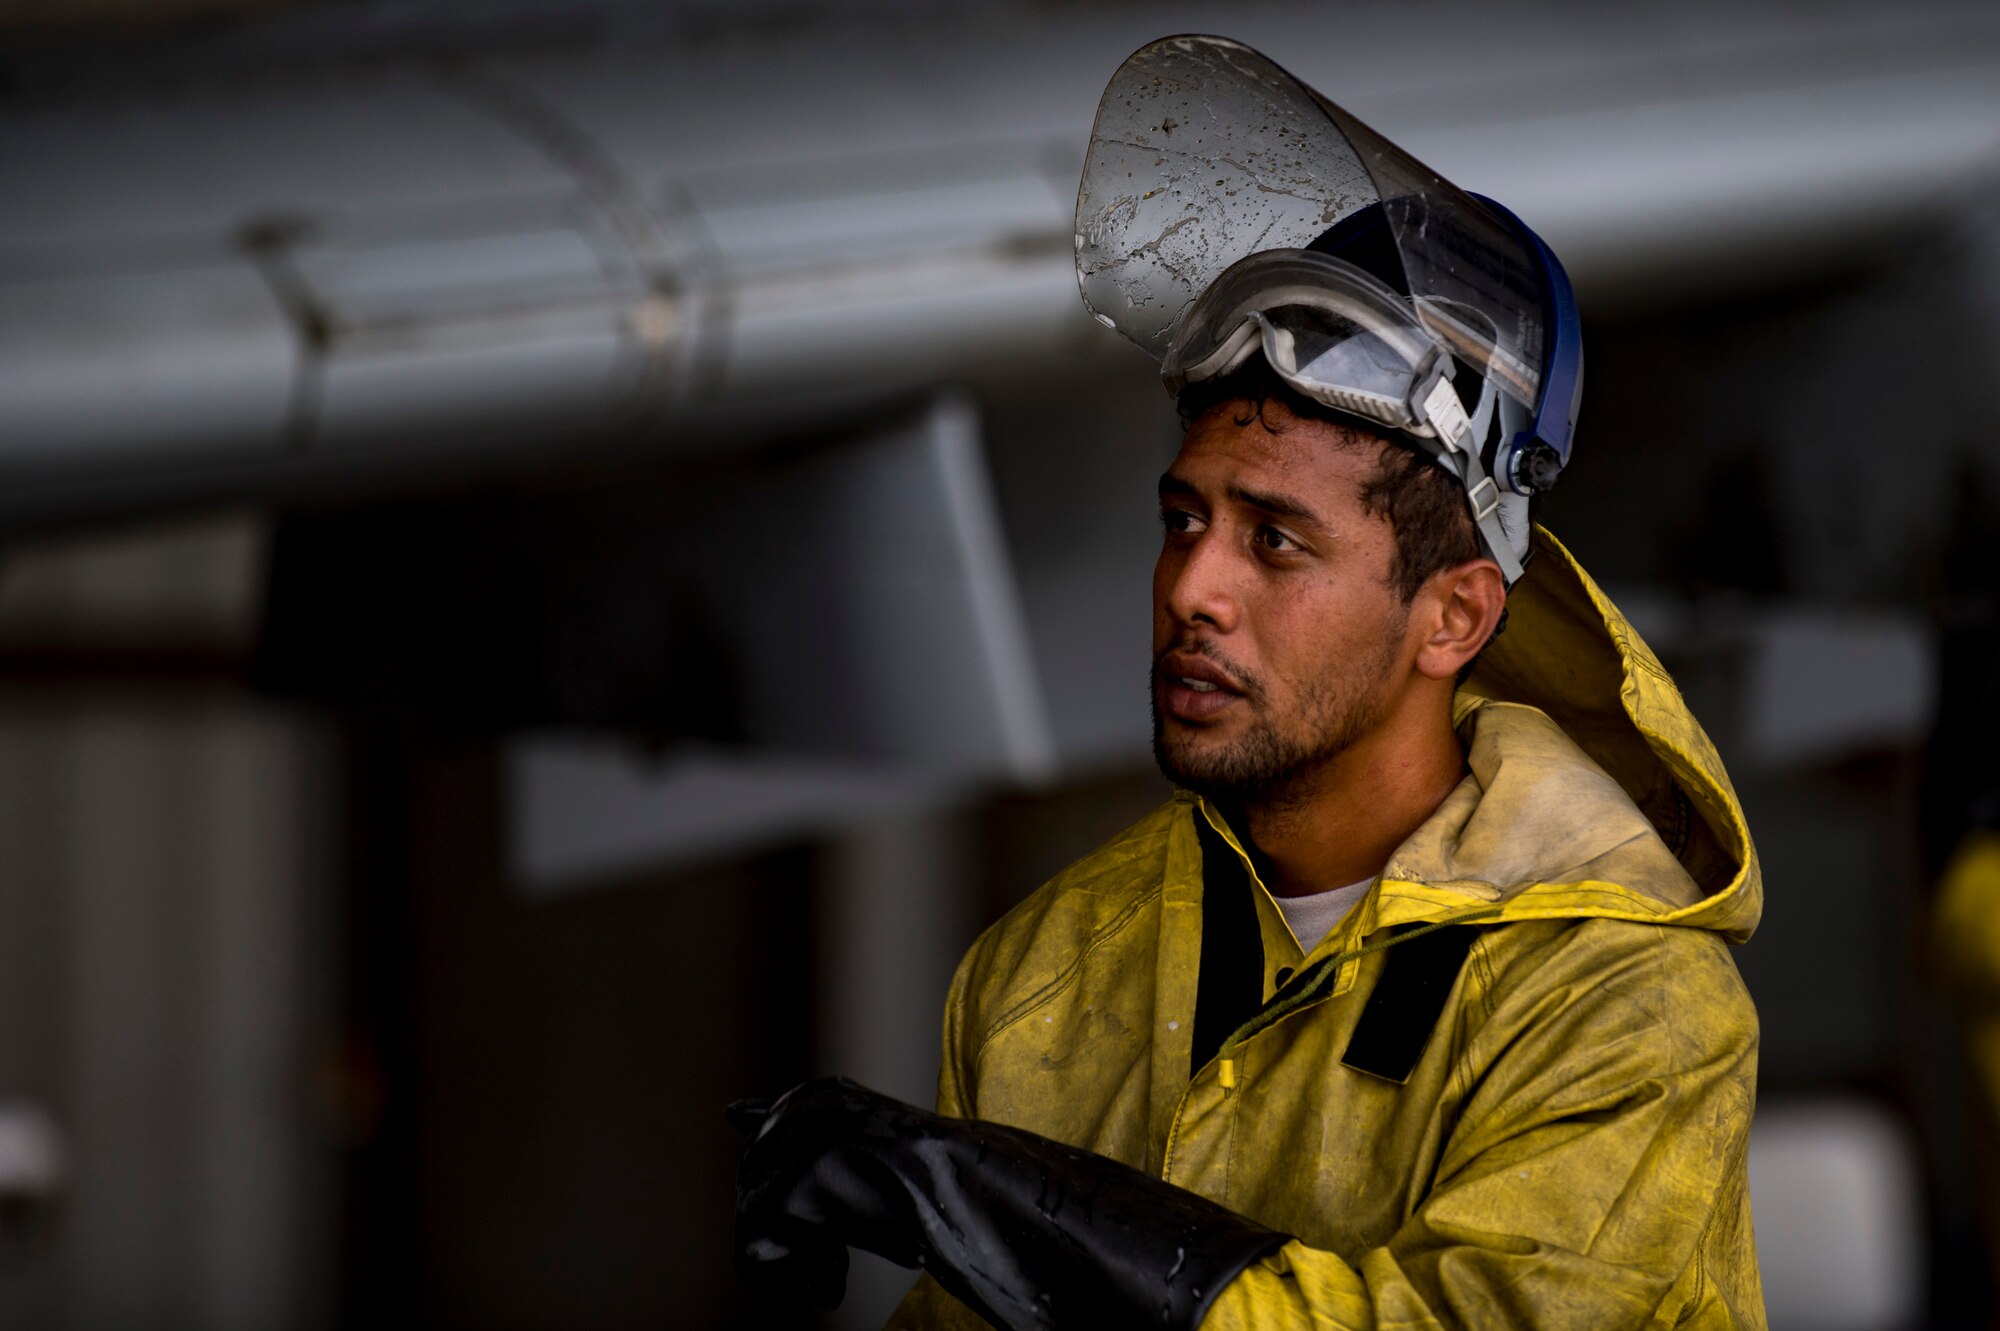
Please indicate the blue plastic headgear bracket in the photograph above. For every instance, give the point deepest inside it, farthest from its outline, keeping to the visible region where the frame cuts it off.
(1562, 366)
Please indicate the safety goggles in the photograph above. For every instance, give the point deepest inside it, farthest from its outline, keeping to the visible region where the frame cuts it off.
(1333, 332)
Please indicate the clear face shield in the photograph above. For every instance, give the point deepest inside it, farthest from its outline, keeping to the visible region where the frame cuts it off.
(1228, 211)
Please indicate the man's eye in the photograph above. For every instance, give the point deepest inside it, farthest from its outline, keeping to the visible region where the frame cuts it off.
(1271, 538)
(1179, 520)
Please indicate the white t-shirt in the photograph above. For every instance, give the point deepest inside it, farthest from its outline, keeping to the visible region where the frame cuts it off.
(1313, 918)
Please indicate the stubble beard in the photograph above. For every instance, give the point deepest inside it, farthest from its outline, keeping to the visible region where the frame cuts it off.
(1274, 768)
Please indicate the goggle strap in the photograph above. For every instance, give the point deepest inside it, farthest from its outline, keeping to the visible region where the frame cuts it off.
(1445, 414)
(1484, 498)
(1502, 550)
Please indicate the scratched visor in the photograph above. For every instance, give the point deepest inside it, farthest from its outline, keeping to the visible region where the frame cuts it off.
(1205, 153)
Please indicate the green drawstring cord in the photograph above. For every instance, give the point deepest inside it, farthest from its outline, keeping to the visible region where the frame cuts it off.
(1322, 975)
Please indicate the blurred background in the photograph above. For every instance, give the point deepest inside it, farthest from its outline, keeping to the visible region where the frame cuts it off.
(559, 559)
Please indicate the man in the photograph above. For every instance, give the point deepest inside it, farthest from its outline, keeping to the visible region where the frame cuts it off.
(1414, 1006)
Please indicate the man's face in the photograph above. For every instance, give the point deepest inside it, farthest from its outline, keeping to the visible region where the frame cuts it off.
(1278, 639)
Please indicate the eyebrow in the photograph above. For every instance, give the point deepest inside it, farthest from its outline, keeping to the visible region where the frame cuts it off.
(1277, 505)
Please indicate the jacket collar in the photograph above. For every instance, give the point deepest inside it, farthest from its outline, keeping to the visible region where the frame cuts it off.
(1593, 790)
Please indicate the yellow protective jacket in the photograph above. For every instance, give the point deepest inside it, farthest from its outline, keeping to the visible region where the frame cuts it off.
(1568, 1150)
(1967, 938)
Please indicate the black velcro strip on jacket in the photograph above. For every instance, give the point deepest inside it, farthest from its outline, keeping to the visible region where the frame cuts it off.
(1229, 988)
(1417, 977)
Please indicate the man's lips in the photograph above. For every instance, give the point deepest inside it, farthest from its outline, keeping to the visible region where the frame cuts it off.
(1193, 688)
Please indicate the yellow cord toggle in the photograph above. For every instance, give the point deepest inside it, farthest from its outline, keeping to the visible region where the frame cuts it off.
(1226, 1074)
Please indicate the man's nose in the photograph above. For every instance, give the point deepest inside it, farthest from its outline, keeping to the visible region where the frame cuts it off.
(1201, 586)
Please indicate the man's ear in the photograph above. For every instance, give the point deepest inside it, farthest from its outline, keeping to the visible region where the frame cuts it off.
(1461, 607)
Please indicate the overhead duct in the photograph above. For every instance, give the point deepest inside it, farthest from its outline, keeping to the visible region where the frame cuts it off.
(237, 284)
(474, 285)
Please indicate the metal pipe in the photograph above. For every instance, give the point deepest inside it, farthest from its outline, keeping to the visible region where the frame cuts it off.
(360, 267)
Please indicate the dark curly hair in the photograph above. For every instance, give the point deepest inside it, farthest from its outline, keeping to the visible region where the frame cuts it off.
(1424, 504)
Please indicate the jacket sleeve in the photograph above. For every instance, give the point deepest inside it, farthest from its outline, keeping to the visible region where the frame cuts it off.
(1595, 1177)
(928, 1307)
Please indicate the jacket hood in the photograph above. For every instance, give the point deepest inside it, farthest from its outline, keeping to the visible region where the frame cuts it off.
(1649, 828)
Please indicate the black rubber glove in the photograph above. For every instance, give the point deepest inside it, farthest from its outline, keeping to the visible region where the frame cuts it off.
(1027, 1232)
